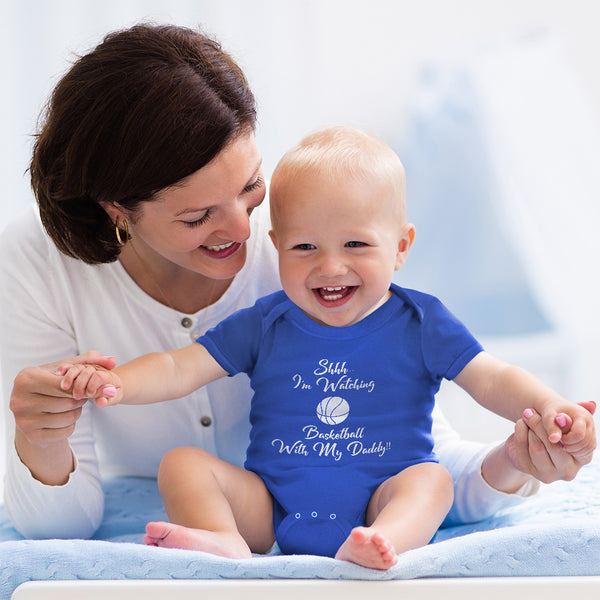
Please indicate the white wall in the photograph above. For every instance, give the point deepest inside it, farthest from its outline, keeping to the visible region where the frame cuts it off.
(311, 62)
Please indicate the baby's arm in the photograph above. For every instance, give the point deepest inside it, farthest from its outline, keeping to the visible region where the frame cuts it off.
(150, 378)
(509, 391)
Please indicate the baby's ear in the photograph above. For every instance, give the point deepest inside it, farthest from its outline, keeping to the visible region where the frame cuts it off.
(273, 238)
(405, 244)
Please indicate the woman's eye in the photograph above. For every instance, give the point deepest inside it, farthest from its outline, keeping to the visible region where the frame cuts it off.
(203, 219)
(254, 185)
(355, 244)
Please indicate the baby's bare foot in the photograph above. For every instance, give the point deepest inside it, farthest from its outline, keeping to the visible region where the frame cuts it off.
(169, 535)
(367, 548)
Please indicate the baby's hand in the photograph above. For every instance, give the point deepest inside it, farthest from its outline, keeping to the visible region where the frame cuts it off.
(90, 381)
(572, 427)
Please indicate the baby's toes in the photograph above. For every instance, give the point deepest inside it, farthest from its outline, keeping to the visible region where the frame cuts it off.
(381, 543)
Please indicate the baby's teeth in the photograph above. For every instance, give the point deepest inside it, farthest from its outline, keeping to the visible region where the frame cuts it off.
(333, 295)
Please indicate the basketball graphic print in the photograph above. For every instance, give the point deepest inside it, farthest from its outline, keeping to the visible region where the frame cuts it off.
(333, 410)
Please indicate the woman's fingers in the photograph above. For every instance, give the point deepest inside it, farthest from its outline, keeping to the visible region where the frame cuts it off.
(549, 462)
(589, 405)
(47, 426)
(45, 412)
(529, 453)
(94, 357)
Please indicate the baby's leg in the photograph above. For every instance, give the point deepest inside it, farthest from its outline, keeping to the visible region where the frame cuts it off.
(213, 506)
(404, 513)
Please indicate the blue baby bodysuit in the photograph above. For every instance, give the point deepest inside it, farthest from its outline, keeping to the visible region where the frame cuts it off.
(338, 410)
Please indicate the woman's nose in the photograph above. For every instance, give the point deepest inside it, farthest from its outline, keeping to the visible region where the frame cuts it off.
(236, 223)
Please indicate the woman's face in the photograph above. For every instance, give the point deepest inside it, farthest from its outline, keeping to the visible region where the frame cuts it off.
(202, 223)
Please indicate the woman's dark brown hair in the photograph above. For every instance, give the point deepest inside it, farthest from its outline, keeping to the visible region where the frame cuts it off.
(146, 108)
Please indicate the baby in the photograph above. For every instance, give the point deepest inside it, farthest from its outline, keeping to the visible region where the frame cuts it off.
(344, 366)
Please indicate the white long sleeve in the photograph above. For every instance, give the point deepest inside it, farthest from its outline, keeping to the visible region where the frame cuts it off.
(73, 510)
(474, 498)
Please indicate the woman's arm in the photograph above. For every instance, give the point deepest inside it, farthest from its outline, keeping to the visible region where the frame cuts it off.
(52, 484)
(45, 417)
(474, 497)
(490, 477)
(51, 487)
(528, 453)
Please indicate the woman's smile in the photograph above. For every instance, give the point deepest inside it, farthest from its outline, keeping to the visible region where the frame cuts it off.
(221, 251)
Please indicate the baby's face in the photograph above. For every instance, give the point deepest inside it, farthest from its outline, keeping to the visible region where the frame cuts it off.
(339, 243)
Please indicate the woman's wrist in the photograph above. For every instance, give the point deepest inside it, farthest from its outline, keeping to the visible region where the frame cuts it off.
(499, 471)
(50, 465)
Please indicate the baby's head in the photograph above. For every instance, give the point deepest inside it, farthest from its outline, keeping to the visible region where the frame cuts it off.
(341, 155)
(338, 211)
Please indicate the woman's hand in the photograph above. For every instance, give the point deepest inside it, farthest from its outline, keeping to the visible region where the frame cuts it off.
(527, 453)
(44, 412)
(532, 453)
(45, 417)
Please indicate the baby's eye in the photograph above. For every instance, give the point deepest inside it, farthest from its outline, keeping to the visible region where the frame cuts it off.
(304, 247)
(355, 244)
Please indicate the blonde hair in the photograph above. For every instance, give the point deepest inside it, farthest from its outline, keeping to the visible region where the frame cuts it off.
(340, 151)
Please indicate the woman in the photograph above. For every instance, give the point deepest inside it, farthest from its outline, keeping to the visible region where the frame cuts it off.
(149, 187)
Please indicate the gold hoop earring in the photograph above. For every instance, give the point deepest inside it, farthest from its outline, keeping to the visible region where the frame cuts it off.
(120, 240)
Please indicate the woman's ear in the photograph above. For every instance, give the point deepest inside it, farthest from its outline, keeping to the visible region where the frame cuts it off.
(404, 245)
(113, 210)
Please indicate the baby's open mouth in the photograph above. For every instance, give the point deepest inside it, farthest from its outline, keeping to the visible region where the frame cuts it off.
(332, 294)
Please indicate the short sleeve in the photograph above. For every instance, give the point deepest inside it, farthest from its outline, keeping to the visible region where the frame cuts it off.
(447, 344)
(235, 341)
